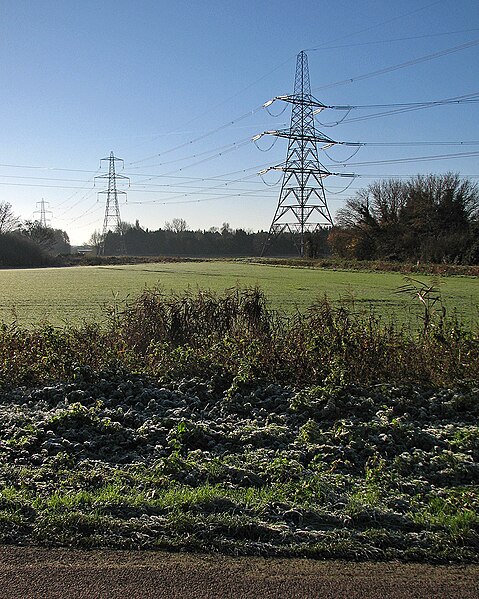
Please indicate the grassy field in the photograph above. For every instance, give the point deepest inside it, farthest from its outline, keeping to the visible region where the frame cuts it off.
(73, 295)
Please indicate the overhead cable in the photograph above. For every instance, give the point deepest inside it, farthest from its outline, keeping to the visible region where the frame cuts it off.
(376, 25)
(401, 65)
(397, 39)
(228, 148)
(415, 159)
(200, 137)
(464, 99)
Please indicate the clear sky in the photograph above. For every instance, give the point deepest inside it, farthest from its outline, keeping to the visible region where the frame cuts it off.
(140, 78)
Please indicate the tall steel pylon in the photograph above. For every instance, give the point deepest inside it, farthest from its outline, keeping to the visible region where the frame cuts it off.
(112, 207)
(302, 195)
(43, 214)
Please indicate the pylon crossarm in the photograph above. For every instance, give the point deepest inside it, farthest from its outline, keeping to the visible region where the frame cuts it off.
(293, 169)
(296, 135)
(302, 99)
(122, 177)
(112, 157)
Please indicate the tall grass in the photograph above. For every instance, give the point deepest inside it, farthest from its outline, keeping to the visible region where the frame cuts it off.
(237, 339)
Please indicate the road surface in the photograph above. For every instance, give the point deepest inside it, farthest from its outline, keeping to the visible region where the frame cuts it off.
(29, 572)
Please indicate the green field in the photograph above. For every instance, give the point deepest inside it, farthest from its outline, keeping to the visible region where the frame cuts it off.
(74, 295)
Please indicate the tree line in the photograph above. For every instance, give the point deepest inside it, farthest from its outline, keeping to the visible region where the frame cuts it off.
(28, 243)
(175, 239)
(433, 218)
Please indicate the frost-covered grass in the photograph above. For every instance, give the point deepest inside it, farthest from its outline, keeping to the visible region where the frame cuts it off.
(78, 294)
(363, 472)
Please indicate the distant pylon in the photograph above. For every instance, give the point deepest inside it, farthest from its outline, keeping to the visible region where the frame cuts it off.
(43, 214)
(112, 220)
(302, 195)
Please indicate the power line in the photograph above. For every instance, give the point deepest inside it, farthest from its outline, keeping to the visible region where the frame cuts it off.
(197, 201)
(401, 65)
(43, 178)
(398, 39)
(415, 159)
(229, 148)
(222, 181)
(403, 110)
(380, 24)
(406, 106)
(194, 190)
(197, 155)
(465, 99)
(200, 137)
(41, 185)
(205, 189)
(93, 172)
(85, 213)
(222, 184)
(407, 176)
(223, 102)
(90, 181)
(418, 143)
(398, 107)
(186, 179)
(79, 201)
(47, 168)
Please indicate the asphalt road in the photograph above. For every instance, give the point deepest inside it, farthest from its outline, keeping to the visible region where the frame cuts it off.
(28, 572)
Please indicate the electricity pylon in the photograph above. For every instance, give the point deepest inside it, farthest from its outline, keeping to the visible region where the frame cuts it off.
(302, 206)
(43, 214)
(112, 207)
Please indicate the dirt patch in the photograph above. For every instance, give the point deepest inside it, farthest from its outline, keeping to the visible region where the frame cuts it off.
(28, 572)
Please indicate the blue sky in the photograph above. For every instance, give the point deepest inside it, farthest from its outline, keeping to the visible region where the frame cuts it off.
(81, 79)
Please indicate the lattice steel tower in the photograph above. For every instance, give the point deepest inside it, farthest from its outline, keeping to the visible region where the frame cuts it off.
(302, 206)
(112, 207)
(44, 222)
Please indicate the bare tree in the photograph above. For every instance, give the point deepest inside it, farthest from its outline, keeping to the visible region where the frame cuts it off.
(177, 225)
(96, 240)
(8, 220)
(43, 236)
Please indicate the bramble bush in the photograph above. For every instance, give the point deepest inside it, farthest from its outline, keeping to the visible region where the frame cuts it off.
(236, 339)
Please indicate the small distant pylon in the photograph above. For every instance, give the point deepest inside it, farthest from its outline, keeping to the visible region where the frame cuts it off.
(44, 222)
(302, 195)
(112, 220)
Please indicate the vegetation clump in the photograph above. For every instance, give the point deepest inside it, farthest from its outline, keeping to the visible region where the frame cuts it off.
(236, 338)
(431, 218)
